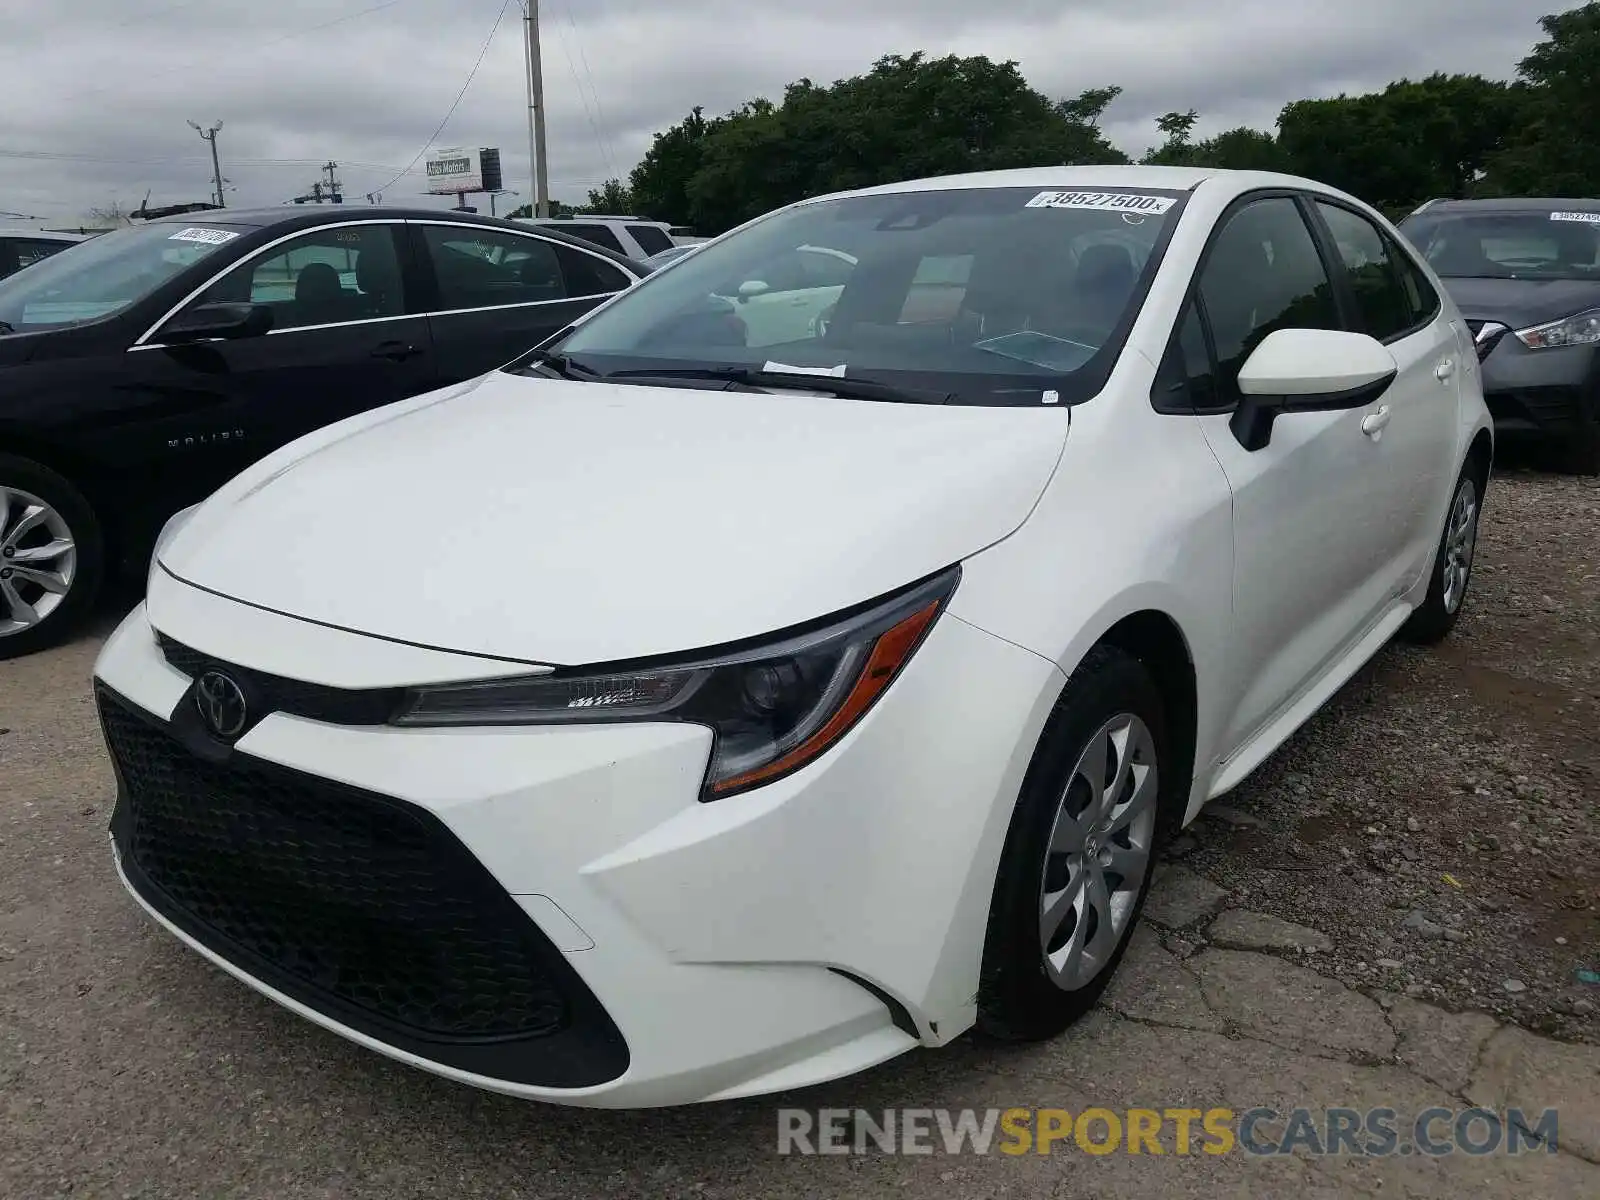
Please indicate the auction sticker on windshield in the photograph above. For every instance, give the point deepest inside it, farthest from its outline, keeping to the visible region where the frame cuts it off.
(1592, 218)
(211, 237)
(1103, 201)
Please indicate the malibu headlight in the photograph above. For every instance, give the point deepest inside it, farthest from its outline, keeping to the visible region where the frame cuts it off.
(773, 707)
(1580, 330)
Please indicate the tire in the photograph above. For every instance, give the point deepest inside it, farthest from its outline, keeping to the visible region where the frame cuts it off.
(1451, 576)
(1579, 451)
(1020, 996)
(32, 616)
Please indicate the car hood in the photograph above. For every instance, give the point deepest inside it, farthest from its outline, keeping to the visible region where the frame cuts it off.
(1522, 302)
(563, 522)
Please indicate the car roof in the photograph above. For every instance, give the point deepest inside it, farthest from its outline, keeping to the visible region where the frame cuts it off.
(1177, 179)
(1512, 204)
(287, 218)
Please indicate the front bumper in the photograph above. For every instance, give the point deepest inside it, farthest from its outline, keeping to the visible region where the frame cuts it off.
(1543, 393)
(552, 912)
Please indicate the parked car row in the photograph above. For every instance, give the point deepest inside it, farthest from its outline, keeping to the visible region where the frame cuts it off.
(144, 368)
(802, 657)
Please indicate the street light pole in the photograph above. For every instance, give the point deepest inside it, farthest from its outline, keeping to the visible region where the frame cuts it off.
(210, 135)
(536, 148)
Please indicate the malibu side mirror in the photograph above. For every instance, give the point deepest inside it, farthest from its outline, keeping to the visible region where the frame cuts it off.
(1307, 370)
(224, 320)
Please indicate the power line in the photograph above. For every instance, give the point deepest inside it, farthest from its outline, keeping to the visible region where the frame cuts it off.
(455, 104)
(602, 137)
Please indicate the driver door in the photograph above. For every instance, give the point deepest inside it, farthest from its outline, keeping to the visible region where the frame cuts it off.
(342, 341)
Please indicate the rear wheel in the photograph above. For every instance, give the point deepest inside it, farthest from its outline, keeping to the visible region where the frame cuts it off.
(1580, 450)
(51, 557)
(1095, 807)
(1452, 563)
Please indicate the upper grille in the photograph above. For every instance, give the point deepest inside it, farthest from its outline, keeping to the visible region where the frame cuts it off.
(274, 693)
(330, 893)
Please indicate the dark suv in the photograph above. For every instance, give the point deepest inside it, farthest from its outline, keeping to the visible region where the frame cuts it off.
(1525, 274)
(142, 369)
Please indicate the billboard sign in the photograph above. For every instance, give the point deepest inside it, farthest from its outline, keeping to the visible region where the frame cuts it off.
(454, 170)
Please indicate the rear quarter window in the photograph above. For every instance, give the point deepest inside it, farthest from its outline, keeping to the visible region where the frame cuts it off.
(652, 239)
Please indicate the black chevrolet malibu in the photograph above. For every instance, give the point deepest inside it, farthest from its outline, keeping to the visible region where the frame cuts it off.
(142, 369)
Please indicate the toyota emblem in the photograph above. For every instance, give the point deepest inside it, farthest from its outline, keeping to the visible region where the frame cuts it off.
(221, 703)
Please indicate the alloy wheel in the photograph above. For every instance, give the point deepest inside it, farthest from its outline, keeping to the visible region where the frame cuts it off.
(1099, 852)
(38, 560)
(1460, 540)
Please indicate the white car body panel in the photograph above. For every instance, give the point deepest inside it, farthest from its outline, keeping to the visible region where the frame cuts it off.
(836, 916)
(759, 485)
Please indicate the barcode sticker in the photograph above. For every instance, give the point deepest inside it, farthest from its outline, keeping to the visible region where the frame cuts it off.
(1128, 202)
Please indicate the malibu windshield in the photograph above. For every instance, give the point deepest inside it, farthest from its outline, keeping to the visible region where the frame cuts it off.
(989, 296)
(104, 275)
(1509, 245)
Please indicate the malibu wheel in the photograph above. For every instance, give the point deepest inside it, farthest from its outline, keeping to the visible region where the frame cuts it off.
(51, 557)
(1094, 810)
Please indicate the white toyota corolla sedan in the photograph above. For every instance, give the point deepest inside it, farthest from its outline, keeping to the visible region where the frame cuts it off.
(671, 716)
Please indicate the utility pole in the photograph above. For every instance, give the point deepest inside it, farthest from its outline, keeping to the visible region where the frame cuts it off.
(210, 135)
(536, 149)
(333, 183)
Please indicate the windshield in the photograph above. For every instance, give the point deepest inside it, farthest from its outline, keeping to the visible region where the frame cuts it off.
(1508, 245)
(992, 295)
(104, 275)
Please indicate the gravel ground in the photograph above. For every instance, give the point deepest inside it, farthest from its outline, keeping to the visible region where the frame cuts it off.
(1440, 820)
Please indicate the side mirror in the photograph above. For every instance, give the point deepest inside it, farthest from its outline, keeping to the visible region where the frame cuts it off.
(1307, 370)
(218, 321)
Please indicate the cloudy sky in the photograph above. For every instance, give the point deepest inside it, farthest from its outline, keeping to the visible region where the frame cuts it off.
(98, 93)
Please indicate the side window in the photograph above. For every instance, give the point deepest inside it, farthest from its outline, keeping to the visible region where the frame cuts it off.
(1374, 273)
(1185, 382)
(821, 269)
(600, 235)
(587, 275)
(345, 273)
(1263, 274)
(30, 251)
(652, 239)
(1422, 300)
(485, 268)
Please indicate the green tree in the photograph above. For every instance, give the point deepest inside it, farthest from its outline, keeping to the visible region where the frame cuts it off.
(1414, 140)
(1177, 150)
(1241, 149)
(909, 116)
(1557, 149)
(660, 183)
(611, 197)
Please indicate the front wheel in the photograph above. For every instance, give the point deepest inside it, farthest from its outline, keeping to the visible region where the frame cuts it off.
(51, 557)
(1090, 819)
(1452, 564)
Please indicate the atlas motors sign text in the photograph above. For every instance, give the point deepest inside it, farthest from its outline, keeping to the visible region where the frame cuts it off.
(460, 170)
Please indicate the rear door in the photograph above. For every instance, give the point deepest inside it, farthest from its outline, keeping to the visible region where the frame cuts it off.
(494, 294)
(342, 341)
(1394, 303)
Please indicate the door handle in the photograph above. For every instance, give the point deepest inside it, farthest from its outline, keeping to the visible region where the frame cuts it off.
(396, 351)
(1372, 424)
(1444, 370)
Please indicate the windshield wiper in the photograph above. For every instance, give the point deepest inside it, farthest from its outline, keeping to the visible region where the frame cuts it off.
(558, 365)
(853, 389)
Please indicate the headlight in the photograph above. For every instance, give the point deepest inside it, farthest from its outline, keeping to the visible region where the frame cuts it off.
(1581, 330)
(773, 708)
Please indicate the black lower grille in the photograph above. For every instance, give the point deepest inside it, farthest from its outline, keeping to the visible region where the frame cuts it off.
(359, 905)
